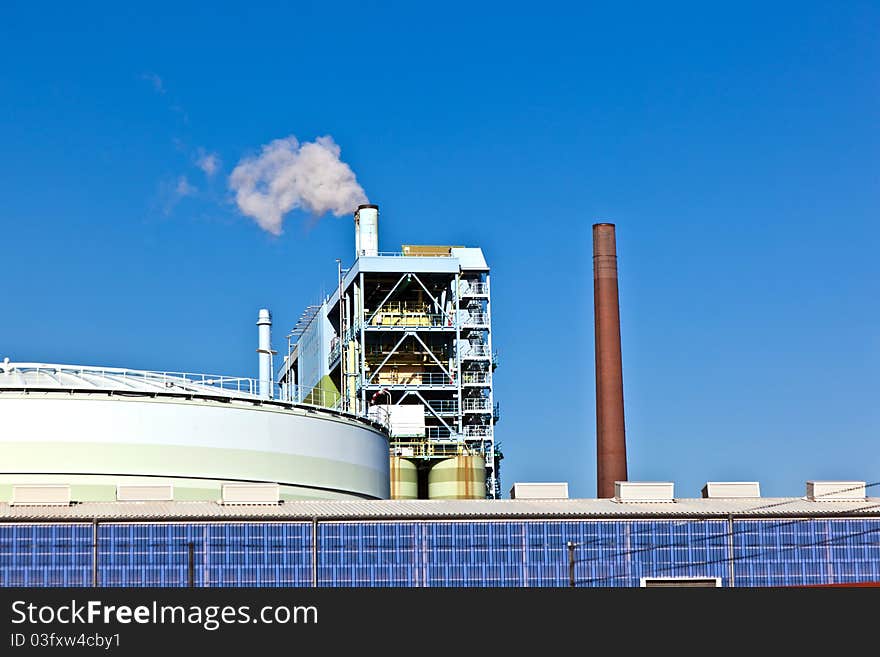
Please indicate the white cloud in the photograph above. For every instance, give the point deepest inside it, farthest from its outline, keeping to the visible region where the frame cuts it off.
(184, 188)
(288, 175)
(156, 81)
(209, 163)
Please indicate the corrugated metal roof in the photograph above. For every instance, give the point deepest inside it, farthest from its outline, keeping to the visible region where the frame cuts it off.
(440, 509)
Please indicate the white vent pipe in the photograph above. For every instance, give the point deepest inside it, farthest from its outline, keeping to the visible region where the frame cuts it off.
(264, 322)
(366, 230)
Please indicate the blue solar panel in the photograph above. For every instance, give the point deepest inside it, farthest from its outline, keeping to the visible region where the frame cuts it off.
(227, 554)
(46, 555)
(800, 552)
(766, 552)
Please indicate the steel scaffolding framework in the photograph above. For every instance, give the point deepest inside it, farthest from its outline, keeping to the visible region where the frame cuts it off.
(410, 329)
(415, 335)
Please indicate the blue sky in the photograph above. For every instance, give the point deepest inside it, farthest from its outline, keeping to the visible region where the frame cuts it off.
(736, 149)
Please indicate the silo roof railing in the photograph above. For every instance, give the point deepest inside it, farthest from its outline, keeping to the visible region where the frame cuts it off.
(49, 376)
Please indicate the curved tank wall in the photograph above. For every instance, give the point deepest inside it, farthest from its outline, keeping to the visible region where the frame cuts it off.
(95, 441)
(459, 478)
(404, 479)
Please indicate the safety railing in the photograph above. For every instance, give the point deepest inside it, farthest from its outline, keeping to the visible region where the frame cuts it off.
(317, 396)
(407, 348)
(380, 414)
(86, 378)
(475, 319)
(477, 431)
(475, 378)
(402, 319)
(478, 405)
(473, 289)
(468, 431)
(75, 376)
(393, 378)
(475, 351)
(429, 449)
(437, 433)
(401, 254)
(443, 405)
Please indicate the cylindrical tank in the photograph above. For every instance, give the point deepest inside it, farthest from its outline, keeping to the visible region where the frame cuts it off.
(404, 479)
(366, 230)
(459, 478)
(96, 428)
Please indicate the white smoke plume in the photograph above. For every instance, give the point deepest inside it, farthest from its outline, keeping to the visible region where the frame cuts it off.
(288, 174)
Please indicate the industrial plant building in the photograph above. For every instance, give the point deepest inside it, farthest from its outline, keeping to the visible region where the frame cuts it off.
(369, 459)
(406, 340)
(385, 391)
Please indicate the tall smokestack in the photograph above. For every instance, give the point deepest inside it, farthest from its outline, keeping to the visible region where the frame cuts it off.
(264, 324)
(366, 230)
(610, 429)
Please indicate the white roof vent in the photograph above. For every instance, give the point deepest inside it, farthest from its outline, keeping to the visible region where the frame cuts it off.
(644, 491)
(251, 494)
(144, 493)
(41, 494)
(836, 491)
(731, 489)
(539, 491)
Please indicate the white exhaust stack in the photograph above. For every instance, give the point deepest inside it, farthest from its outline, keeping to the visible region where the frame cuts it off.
(264, 322)
(366, 230)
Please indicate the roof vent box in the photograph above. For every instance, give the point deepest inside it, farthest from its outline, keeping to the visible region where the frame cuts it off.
(836, 491)
(144, 493)
(731, 489)
(250, 494)
(539, 491)
(41, 494)
(644, 491)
